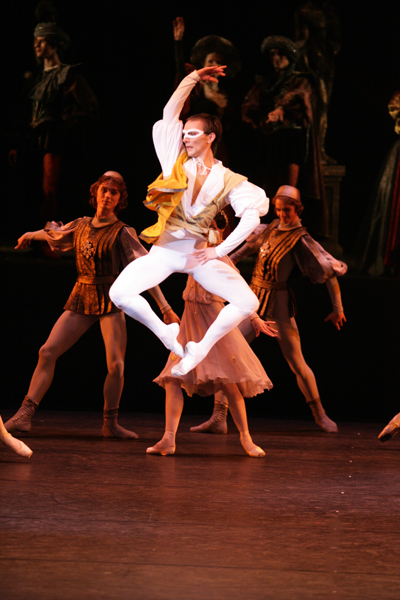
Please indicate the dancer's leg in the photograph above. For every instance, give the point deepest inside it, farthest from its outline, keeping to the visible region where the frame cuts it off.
(67, 330)
(140, 275)
(237, 409)
(173, 412)
(113, 330)
(11, 442)
(289, 341)
(218, 278)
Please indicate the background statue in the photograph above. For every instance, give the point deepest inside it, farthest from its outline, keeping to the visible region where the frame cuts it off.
(378, 244)
(281, 109)
(318, 37)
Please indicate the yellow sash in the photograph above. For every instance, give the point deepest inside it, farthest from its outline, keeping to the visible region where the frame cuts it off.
(164, 196)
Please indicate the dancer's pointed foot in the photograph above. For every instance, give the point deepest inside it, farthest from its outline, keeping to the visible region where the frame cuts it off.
(250, 447)
(216, 423)
(165, 447)
(321, 418)
(15, 445)
(188, 362)
(391, 429)
(170, 340)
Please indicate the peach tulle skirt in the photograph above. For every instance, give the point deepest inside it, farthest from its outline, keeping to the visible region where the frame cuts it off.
(230, 360)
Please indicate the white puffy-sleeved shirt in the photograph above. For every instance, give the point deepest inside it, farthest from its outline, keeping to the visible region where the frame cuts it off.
(247, 200)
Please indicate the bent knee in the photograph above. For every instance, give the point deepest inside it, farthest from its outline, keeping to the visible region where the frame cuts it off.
(116, 294)
(250, 304)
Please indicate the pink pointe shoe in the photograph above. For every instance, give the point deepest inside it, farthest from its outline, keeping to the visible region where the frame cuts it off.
(11, 442)
(165, 447)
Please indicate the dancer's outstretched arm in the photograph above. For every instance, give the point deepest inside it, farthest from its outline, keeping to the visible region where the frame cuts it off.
(25, 240)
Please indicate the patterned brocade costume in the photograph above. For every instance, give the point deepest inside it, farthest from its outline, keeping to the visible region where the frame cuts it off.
(98, 255)
(274, 244)
(279, 250)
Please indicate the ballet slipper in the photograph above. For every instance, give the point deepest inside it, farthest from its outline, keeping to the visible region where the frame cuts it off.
(171, 342)
(216, 423)
(11, 442)
(112, 429)
(250, 447)
(188, 362)
(321, 418)
(21, 421)
(391, 429)
(165, 447)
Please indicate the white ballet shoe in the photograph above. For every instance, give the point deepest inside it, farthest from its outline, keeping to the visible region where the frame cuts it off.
(188, 362)
(171, 341)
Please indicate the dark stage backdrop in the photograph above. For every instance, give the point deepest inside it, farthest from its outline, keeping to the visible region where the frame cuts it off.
(127, 53)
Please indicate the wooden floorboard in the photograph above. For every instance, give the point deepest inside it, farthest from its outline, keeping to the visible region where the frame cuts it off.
(91, 518)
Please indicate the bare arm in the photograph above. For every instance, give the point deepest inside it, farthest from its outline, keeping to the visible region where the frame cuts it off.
(25, 240)
(337, 315)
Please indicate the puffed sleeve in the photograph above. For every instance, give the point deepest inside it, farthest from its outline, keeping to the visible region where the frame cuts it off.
(61, 237)
(167, 133)
(315, 262)
(249, 203)
(247, 196)
(130, 246)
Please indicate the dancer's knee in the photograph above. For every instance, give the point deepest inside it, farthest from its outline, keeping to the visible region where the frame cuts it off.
(249, 305)
(117, 295)
(47, 355)
(116, 368)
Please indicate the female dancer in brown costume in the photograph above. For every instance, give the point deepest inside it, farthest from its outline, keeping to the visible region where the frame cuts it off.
(101, 244)
(280, 245)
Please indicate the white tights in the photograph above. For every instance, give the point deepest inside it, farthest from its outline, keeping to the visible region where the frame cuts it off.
(215, 276)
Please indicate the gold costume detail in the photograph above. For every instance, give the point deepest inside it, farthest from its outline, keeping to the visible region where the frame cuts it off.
(93, 256)
(164, 196)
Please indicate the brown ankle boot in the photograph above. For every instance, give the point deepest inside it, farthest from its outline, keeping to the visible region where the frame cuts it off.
(216, 423)
(21, 421)
(112, 429)
(321, 418)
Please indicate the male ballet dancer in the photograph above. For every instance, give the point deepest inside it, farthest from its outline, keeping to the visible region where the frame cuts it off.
(191, 190)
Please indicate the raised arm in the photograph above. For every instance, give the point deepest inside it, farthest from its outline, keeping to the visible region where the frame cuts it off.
(167, 133)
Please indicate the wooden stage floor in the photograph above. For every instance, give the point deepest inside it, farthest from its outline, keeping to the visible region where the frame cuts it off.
(93, 518)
